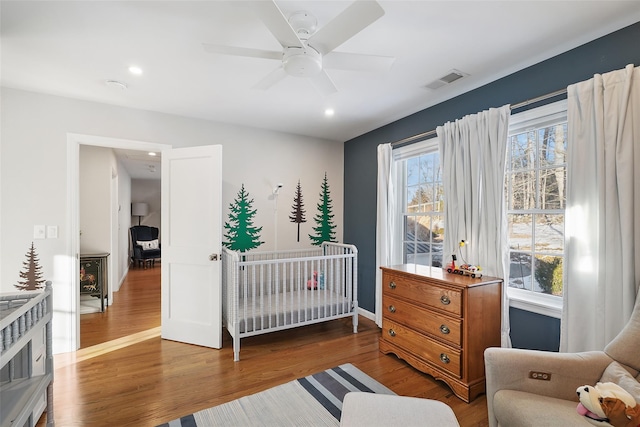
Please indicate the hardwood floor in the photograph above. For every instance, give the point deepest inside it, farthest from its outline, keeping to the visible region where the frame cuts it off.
(126, 375)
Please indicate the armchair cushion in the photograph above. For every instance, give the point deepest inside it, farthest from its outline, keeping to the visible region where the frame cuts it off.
(624, 347)
(523, 409)
(618, 374)
(146, 245)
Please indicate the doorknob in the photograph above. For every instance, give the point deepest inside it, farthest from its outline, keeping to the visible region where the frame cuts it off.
(213, 257)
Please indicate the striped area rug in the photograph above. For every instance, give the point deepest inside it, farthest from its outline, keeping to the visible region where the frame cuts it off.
(315, 400)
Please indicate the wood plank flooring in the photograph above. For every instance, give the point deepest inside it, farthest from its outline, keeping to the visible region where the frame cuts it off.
(126, 375)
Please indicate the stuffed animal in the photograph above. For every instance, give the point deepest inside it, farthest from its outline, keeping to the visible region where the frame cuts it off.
(608, 404)
(313, 283)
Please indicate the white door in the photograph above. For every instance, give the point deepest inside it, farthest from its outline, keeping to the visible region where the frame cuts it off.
(191, 245)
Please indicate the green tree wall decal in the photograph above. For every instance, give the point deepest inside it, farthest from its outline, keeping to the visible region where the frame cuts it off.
(241, 235)
(31, 273)
(297, 214)
(324, 218)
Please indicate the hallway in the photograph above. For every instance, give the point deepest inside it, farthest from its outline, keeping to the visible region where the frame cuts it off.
(135, 308)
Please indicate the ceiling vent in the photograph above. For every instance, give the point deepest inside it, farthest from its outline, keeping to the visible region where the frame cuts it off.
(450, 77)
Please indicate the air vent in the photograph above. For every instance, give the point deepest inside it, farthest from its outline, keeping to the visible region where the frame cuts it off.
(451, 77)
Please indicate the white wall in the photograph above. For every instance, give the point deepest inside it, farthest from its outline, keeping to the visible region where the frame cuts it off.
(147, 191)
(124, 222)
(34, 179)
(99, 219)
(95, 199)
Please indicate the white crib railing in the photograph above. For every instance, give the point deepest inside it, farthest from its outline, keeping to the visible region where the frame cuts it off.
(269, 291)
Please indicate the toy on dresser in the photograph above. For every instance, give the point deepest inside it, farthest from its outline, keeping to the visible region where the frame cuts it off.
(465, 268)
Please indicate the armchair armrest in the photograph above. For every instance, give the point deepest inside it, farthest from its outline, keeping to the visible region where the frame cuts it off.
(508, 368)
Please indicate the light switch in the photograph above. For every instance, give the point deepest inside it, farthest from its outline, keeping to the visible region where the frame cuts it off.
(39, 232)
(52, 231)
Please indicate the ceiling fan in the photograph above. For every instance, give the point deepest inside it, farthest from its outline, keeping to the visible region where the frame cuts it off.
(307, 50)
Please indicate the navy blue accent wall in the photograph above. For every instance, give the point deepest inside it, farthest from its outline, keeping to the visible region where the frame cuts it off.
(534, 331)
(607, 53)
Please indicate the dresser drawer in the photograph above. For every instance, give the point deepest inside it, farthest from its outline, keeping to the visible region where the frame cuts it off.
(423, 320)
(422, 346)
(449, 300)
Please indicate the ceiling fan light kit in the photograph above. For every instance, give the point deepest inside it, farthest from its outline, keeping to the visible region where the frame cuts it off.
(304, 45)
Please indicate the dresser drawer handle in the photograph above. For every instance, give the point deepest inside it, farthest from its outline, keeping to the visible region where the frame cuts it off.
(444, 358)
(445, 329)
(445, 300)
(392, 308)
(392, 332)
(392, 285)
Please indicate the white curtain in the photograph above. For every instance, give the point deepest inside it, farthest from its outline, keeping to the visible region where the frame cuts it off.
(602, 258)
(473, 154)
(387, 220)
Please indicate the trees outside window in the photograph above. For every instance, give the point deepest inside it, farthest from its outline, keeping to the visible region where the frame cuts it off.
(535, 184)
(423, 209)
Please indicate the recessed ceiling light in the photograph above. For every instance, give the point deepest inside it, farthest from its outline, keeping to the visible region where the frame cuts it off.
(116, 84)
(135, 70)
(152, 153)
(329, 112)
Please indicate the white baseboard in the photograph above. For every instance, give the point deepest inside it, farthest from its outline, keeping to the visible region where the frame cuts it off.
(366, 313)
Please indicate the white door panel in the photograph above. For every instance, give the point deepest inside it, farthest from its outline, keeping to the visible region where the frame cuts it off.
(191, 234)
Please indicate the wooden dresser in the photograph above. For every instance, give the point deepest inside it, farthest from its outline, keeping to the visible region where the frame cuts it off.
(441, 323)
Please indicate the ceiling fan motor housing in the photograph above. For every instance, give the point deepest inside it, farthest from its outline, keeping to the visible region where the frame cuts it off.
(302, 62)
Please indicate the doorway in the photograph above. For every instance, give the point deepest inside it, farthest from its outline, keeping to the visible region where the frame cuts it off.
(74, 141)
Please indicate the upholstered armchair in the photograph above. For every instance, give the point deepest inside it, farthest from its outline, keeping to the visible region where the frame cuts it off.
(146, 247)
(538, 388)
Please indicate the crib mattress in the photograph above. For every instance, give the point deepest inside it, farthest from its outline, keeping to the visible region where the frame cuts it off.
(288, 309)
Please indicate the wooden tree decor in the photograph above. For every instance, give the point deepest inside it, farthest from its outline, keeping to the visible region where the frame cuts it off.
(297, 214)
(324, 218)
(241, 234)
(31, 272)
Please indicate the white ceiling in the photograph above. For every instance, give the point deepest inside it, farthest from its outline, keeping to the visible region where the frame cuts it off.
(70, 48)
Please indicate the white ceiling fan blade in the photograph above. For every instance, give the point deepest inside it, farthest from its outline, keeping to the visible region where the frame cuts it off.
(272, 78)
(324, 84)
(358, 62)
(242, 51)
(276, 22)
(350, 22)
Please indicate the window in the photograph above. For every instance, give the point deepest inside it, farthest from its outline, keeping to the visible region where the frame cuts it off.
(422, 205)
(535, 183)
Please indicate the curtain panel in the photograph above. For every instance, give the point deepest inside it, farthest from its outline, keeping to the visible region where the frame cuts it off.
(473, 153)
(387, 229)
(602, 264)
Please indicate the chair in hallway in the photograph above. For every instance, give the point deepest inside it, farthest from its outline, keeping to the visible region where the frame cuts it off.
(146, 247)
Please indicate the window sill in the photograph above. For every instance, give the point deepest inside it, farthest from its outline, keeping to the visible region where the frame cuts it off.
(543, 304)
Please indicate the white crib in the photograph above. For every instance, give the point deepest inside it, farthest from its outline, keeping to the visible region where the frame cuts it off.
(271, 291)
(26, 358)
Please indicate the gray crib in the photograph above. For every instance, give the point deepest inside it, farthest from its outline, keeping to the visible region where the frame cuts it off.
(271, 291)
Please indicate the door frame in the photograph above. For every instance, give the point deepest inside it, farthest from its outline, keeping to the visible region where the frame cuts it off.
(74, 141)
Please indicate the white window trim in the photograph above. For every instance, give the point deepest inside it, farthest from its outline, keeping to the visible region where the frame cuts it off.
(547, 305)
(399, 154)
(415, 149)
(544, 304)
